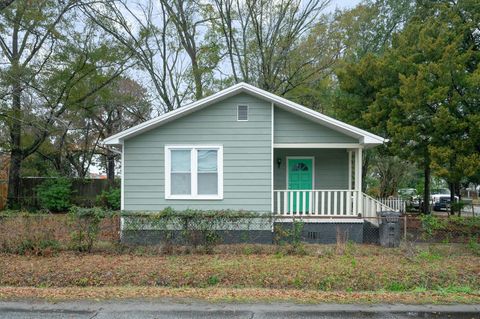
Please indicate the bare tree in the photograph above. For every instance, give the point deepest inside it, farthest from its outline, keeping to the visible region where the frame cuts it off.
(189, 17)
(127, 105)
(148, 32)
(264, 41)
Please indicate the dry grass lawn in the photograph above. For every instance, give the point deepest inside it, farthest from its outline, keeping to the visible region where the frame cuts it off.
(439, 273)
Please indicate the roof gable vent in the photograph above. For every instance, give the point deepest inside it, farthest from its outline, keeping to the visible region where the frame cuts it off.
(242, 113)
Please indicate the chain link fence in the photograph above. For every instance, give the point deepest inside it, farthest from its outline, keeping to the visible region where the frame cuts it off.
(432, 228)
(43, 234)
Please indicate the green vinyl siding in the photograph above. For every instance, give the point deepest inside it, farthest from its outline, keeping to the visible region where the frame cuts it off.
(331, 167)
(292, 128)
(246, 155)
(246, 152)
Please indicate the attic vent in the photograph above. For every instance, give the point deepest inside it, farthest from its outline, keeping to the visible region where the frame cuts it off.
(242, 113)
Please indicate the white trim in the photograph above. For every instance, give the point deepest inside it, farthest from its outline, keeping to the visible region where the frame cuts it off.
(272, 167)
(248, 109)
(317, 145)
(122, 181)
(313, 169)
(364, 137)
(193, 171)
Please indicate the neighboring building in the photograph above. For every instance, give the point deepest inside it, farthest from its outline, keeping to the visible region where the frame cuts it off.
(246, 149)
(97, 176)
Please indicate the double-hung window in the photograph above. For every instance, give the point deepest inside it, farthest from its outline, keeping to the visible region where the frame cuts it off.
(193, 172)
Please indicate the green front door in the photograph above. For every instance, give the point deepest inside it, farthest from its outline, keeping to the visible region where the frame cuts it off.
(300, 176)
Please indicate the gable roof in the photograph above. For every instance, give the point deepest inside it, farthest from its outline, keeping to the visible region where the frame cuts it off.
(365, 138)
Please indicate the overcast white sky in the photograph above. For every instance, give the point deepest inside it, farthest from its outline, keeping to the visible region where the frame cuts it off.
(342, 4)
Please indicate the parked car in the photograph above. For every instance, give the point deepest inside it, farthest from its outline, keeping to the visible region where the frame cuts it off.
(440, 199)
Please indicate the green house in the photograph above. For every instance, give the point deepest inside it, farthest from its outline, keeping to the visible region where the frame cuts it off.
(246, 149)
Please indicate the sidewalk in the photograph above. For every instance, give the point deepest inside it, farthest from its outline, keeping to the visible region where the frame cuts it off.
(166, 308)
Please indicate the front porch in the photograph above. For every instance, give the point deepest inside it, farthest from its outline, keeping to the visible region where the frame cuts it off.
(321, 182)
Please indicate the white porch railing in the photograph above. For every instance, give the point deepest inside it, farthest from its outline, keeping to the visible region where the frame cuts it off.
(327, 203)
(395, 203)
(371, 206)
(316, 202)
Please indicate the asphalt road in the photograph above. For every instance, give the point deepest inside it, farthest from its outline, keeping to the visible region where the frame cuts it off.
(134, 309)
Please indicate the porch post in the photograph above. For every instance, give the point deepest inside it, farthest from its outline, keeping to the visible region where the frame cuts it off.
(349, 169)
(360, 164)
(358, 179)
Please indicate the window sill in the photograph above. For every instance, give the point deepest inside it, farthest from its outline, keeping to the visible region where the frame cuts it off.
(182, 197)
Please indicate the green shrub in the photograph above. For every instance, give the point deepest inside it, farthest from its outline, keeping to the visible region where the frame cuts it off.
(291, 238)
(196, 227)
(452, 227)
(25, 246)
(43, 247)
(429, 256)
(110, 198)
(213, 280)
(85, 224)
(431, 224)
(55, 194)
(396, 287)
(474, 246)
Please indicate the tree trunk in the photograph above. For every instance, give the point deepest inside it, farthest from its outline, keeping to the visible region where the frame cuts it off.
(110, 168)
(365, 164)
(451, 186)
(457, 191)
(197, 77)
(13, 197)
(426, 185)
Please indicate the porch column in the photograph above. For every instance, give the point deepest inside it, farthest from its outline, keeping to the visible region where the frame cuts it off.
(349, 169)
(358, 179)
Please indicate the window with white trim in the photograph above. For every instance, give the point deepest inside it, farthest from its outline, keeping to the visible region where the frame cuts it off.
(242, 112)
(193, 172)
